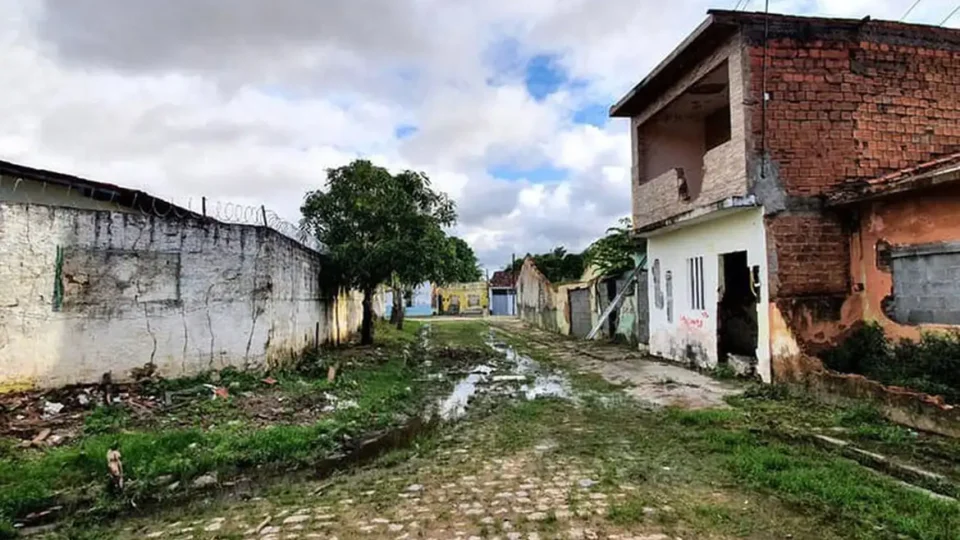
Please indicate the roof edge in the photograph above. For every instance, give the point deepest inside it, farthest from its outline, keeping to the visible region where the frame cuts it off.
(617, 110)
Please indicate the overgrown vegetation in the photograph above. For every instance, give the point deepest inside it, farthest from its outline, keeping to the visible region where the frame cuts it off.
(557, 265)
(373, 389)
(930, 365)
(613, 254)
(671, 454)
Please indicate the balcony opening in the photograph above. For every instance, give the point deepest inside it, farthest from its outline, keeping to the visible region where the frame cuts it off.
(675, 141)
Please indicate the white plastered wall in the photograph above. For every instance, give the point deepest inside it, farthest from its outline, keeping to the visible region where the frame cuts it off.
(691, 335)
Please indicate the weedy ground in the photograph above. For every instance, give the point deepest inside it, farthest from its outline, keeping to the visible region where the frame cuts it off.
(596, 464)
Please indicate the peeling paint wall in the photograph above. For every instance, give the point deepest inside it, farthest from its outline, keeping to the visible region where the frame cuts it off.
(87, 292)
(463, 298)
(547, 306)
(688, 334)
(537, 299)
(886, 226)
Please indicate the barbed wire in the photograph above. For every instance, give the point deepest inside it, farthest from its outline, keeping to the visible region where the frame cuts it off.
(105, 197)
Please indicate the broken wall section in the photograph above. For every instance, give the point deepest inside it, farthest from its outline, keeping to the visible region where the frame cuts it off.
(88, 292)
(572, 309)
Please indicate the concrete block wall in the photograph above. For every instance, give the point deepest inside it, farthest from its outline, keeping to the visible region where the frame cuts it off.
(88, 292)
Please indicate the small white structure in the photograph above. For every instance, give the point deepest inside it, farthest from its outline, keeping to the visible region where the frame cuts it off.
(693, 270)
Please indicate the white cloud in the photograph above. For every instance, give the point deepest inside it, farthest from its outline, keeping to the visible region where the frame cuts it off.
(250, 101)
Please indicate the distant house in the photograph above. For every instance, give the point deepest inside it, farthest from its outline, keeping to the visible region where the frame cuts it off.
(462, 299)
(418, 303)
(503, 293)
(573, 308)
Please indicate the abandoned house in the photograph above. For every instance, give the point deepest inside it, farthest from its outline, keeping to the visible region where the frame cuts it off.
(574, 308)
(503, 293)
(103, 279)
(461, 298)
(794, 176)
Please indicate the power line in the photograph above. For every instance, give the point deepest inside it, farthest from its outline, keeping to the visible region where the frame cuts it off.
(745, 4)
(950, 16)
(909, 11)
(737, 5)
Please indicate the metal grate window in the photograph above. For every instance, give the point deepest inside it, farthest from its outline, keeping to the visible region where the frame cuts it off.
(695, 283)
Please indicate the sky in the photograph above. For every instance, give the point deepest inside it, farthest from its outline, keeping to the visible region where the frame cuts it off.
(502, 103)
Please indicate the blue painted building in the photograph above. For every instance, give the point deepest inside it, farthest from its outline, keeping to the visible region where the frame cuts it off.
(417, 304)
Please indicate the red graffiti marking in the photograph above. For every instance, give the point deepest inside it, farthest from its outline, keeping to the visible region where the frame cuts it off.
(692, 323)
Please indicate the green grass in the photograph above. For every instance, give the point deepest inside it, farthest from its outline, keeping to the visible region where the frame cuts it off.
(679, 452)
(153, 458)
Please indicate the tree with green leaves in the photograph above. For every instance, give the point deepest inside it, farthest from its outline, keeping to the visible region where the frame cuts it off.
(377, 226)
(556, 265)
(462, 265)
(613, 254)
(439, 259)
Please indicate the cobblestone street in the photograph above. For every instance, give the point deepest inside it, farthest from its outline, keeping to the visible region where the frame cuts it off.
(529, 495)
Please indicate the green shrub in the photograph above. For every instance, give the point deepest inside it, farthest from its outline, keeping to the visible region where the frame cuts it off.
(930, 365)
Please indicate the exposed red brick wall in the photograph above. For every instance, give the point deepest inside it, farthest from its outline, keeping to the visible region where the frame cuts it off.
(848, 103)
(812, 254)
(854, 104)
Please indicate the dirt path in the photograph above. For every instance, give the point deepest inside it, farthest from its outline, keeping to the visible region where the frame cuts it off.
(646, 379)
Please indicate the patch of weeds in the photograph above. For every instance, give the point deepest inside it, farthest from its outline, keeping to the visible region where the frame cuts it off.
(106, 419)
(629, 511)
(844, 489)
(523, 423)
(723, 372)
(703, 417)
(775, 392)
(859, 415)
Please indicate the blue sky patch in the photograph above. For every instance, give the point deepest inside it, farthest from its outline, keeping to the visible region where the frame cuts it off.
(404, 130)
(544, 76)
(596, 115)
(538, 175)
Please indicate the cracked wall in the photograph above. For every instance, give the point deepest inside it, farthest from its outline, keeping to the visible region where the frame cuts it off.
(88, 292)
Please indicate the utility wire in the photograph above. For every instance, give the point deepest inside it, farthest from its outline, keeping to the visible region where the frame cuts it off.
(950, 16)
(909, 11)
(745, 4)
(737, 5)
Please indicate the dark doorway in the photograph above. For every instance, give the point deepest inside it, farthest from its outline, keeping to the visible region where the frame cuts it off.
(613, 320)
(737, 309)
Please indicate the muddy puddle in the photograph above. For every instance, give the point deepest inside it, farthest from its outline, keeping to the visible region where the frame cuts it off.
(509, 375)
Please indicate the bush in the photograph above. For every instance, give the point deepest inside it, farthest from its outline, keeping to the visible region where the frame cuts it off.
(930, 365)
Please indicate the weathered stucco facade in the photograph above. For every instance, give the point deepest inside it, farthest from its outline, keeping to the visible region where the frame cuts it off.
(551, 307)
(462, 298)
(88, 292)
(684, 329)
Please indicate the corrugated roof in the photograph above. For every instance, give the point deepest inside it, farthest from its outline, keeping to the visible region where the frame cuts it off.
(931, 173)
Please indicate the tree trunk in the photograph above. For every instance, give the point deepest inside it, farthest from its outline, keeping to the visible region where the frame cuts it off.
(397, 307)
(401, 316)
(366, 329)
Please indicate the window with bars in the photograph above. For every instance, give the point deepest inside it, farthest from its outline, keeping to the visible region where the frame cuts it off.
(695, 283)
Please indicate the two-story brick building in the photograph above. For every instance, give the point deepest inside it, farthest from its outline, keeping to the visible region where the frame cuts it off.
(793, 175)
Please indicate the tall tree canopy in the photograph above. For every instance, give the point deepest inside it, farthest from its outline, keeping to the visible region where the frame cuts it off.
(378, 226)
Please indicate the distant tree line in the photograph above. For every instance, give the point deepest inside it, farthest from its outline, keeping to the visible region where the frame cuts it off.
(613, 254)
